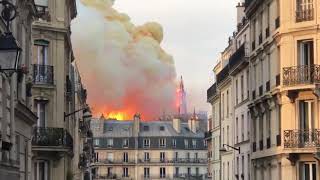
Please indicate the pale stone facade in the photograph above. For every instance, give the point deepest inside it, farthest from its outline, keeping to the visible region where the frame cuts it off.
(59, 143)
(149, 150)
(281, 100)
(16, 118)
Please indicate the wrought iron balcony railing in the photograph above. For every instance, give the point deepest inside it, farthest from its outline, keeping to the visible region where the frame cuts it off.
(48, 136)
(211, 91)
(305, 15)
(297, 75)
(42, 74)
(301, 138)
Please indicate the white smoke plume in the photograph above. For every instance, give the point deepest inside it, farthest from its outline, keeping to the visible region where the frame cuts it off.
(123, 66)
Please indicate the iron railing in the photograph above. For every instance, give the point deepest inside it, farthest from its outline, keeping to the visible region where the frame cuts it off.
(175, 160)
(305, 15)
(42, 74)
(301, 138)
(305, 74)
(48, 136)
(211, 91)
(116, 161)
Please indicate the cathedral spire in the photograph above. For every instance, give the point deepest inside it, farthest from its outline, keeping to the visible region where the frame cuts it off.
(181, 98)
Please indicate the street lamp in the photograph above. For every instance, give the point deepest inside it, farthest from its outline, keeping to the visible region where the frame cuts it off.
(86, 113)
(223, 149)
(9, 48)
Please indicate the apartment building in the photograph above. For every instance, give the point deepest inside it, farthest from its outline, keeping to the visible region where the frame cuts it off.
(16, 118)
(284, 101)
(239, 72)
(149, 150)
(214, 130)
(59, 99)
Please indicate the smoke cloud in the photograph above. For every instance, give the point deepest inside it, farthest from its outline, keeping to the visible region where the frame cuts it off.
(123, 66)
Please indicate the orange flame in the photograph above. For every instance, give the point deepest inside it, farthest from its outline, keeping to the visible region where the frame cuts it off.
(118, 115)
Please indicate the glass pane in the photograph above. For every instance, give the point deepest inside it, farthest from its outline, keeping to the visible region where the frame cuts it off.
(306, 172)
(41, 2)
(7, 59)
(314, 172)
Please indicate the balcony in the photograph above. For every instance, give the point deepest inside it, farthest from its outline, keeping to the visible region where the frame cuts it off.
(238, 60)
(223, 74)
(116, 161)
(301, 75)
(208, 135)
(175, 161)
(305, 15)
(302, 138)
(52, 138)
(42, 74)
(212, 91)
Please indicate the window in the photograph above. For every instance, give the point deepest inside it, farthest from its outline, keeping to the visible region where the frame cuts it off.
(125, 157)
(41, 170)
(146, 156)
(96, 156)
(146, 143)
(188, 155)
(41, 113)
(304, 10)
(227, 104)
(125, 172)
(176, 171)
(237, 91)
(162, 172)
(41, 3)
(176, 156)
(145, 128)
(197, 171)
(305, 53)
(174, 143)
(248, 77)
(228, 135)
(110, 156)
(110, 142)
(40, 51)
(242, 127)
(146, 172)
(109, 172)
(126, 143)
(162, 156)
(162, 142)
(242, 164)
(237, 168)
(189, 171)
(222, 106)
(194, 143)
(186, 143)
(161, 128)
(196, 156)
(97, 142)
(242, 88)
(308, 171)
(306, 115)
(205, 143)
(237, 128)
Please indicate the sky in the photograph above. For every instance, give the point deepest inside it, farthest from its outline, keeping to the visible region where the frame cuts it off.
(195, 32)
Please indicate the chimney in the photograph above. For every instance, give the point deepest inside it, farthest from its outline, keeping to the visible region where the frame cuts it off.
(193, 123)
(136, 125)
(240, 12)
(176, 123)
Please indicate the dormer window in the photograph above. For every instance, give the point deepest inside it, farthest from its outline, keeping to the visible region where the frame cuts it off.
(126, 143)
(41, 5)
(161, 128)
(174, 143)
(145, 128)
(110, 142)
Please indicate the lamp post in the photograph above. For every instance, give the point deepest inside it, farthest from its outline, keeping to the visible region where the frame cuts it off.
(9, 48)
(223, 149)
(86, 113)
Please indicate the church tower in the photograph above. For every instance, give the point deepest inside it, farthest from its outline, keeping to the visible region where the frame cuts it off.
(182, 101)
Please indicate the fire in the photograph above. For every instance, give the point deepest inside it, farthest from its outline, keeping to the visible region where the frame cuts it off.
(118, 115)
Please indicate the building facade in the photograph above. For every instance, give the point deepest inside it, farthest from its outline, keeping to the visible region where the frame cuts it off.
(273, 67)
(149, 150)
(284, 56)
(16, 118)
(59, 143)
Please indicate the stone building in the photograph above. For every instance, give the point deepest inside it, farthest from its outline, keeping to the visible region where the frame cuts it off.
(58, 97)
(16, 118)
(149, 150)
(284, 104)
(282, 95)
